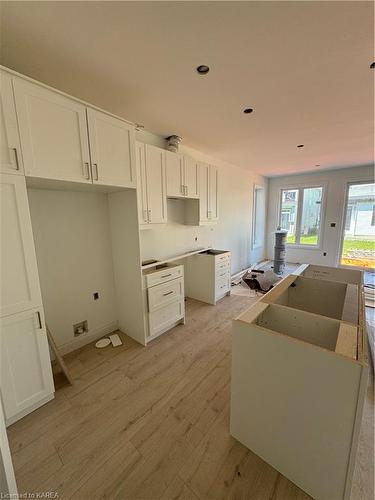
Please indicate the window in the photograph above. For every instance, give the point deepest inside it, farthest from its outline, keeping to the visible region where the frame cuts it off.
(300, 214)
(258, 217)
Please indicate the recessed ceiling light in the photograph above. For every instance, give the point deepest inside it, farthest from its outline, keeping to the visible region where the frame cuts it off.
(300, 146)
(248, 111)
(372, 65)
(203, 69)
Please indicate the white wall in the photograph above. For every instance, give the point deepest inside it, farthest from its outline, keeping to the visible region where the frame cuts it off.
(73, 247)
(333, 211)
(232, 232)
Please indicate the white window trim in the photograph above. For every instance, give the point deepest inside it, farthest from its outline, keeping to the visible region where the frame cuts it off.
(253, 244)
(301, 187)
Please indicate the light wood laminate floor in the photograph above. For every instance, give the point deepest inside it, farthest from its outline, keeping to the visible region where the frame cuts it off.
(152, 423)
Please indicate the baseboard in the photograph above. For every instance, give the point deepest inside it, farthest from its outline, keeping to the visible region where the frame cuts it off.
(87, 338)
(29, 409)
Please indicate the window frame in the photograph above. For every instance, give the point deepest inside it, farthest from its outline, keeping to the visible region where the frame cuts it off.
(254, 245)
(301, 188)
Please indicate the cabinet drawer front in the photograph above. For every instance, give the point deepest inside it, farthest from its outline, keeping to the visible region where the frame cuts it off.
(161, 295)
(222, 257)
(222, 274)
(164, 275)
(165, 316)
(222, 285)
(222, 266)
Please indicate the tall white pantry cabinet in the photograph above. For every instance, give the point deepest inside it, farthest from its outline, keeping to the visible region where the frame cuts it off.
(26, 380)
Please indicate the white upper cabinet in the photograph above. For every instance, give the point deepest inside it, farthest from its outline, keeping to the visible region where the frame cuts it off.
(53, 132)
(26, 375)
(204, 169)
(213, 201)
(141, 182)
(111, 149)
(151, 192)
(20, 288)
(182, 175)
(208, 193)
(156, 185)
(11, 157)
(174, 166)
(191, 177)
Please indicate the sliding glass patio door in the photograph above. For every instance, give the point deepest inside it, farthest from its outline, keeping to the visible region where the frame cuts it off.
(358, 240)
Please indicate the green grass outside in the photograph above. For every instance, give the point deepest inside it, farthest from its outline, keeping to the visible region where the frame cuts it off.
(349, 245)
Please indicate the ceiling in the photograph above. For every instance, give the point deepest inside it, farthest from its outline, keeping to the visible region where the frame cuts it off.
(302, 66)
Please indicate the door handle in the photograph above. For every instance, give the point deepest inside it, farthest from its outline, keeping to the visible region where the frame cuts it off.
(149, 215)
(95, 167)
(87, 170)
(145, 216)
(39, 320)
(16, 158)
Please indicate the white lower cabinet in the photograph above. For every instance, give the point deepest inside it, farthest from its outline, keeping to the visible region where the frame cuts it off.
(208, 276)
(165, 299)
(26, 375)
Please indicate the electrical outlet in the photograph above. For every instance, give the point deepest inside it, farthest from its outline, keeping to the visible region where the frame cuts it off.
(96, 295)
(80, 328)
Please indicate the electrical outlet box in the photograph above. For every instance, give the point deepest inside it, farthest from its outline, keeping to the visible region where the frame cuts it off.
(96, 296)
(80, 328)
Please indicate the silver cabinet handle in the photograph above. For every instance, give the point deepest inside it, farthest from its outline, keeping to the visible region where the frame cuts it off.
(95, 168)
(87, 169)
(187, 191)
(149, 215)
(145, 216)
(182, 189)
(168, 293)
(39, 320)
(16, 158)
(166, 275)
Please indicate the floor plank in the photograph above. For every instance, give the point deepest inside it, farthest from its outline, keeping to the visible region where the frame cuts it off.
(153, 423)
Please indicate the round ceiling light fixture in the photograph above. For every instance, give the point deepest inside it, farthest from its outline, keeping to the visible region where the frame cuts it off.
(203, 69)
(247, 111)
(300, 146)
(372, 65)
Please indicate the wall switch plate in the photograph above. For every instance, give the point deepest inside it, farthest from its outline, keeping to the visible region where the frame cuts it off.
(80, 328)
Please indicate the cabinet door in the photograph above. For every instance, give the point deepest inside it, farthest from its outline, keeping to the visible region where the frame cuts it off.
(11, 157)
(156, 186)
(19, 273)
(141, 183)
(53, 131)
(191, 178)
(111, 150)
(213, 208)
(26, 375)
(174, 173)
(203, 191)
